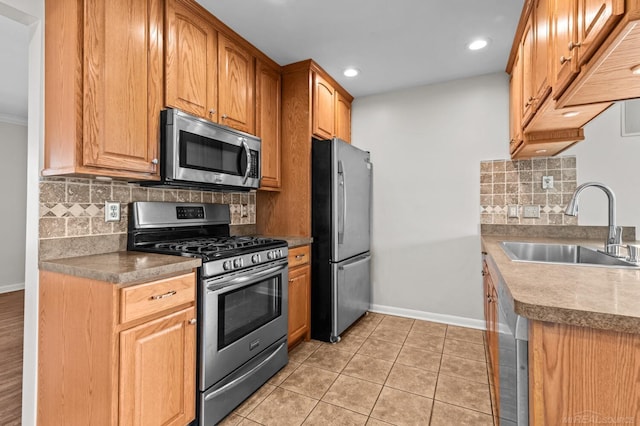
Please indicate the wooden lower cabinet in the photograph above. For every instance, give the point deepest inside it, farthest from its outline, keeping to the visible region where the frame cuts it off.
(299, 295)
(492, 350)
(583, 375)
(97, 368)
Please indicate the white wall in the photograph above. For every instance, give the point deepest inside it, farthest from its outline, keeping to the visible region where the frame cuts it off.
(31, 13)
(605, 156)
(426, 144)
(13, 172)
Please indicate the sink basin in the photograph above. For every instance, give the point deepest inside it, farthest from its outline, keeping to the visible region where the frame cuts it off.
(561, 254)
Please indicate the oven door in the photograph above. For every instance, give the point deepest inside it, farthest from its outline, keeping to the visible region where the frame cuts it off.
(199, 151)
(243, 314)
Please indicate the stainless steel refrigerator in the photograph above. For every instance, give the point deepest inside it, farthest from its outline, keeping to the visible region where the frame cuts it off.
(341, 229)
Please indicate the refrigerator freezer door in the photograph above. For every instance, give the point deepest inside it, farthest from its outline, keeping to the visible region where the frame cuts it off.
(351, 214)
(352, 292)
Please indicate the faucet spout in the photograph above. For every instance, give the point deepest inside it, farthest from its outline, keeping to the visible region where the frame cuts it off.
(614, 238)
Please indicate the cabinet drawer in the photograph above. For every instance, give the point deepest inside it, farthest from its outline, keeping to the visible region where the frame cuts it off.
(145, 299)
(299, 256)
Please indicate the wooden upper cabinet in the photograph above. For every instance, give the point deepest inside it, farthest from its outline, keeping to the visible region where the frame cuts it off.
(595, 20)
(515, 105)
(527, 64)
(190, 61)
(541, 83)
(103, 87)
(236, 78)
(268, 84)
(323, 108)
(343, 118)
(564, 66)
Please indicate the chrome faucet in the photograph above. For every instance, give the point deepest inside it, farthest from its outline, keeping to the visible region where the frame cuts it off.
(614, 240)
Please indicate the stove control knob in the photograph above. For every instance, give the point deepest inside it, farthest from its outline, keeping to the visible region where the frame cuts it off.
(237, 263)
(279, 252)
(255, 258)
(270, 255)
(227, 265)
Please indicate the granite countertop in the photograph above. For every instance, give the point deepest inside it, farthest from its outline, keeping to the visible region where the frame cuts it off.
(121, 267)
(597, 297)
(293, 241)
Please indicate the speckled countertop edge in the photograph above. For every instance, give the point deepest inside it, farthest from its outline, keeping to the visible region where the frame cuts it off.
(121, 267)
(602, 298)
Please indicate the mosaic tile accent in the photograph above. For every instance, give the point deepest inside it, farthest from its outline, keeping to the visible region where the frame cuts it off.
(505, 182)
(74, 207)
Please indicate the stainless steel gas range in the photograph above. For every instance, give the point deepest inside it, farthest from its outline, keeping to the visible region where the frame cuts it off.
(242, 297)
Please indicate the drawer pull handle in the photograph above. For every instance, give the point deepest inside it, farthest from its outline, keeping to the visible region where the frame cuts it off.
(299, 256)
(163, 296)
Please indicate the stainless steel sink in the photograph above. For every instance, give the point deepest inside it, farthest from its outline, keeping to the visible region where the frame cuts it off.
(562, 254)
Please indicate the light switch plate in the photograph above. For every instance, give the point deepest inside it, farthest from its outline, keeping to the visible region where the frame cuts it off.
(547, 182)
(531, 211)
(111, 211)
(512, 211)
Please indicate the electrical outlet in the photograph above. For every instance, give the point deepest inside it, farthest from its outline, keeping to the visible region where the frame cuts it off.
(547, 182)
(512, 211)
(531, 211)
(111, 211)
(244, 210)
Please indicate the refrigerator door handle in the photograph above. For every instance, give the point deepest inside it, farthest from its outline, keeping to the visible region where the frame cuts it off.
(355, 262)
(342, 218)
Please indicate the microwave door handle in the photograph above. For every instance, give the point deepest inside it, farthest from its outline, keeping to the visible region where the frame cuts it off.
(248, 154)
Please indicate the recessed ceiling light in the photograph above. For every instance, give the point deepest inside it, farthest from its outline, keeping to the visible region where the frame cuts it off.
(569, 114)
(635, 70)
(541, 151)
(478, 44)
(351, 72)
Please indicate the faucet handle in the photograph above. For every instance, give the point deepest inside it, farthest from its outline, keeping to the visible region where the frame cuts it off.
(618, 235)
(634, 253)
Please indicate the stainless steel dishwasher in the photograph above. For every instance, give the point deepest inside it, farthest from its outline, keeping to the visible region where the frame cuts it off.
(513, 360)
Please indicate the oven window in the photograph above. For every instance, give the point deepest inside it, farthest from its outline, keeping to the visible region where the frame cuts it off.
(198, 152)
(248, 308)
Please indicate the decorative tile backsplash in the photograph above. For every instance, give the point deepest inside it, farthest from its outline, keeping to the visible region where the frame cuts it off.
(505, 183)
(74, 207)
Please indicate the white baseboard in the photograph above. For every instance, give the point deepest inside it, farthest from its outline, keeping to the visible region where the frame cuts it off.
(8, 288)
(429, 316)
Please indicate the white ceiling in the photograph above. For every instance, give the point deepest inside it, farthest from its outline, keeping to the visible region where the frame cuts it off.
(395, 44)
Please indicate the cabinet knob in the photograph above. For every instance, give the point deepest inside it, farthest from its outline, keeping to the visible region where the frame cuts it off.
(154, 161)
(224, 116)
(212, 111)
(193, 321)
(564, 59)
(573, 45)
(483, 273)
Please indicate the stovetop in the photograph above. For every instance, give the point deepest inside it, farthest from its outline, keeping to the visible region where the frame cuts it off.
(213, 248)
(199, 230)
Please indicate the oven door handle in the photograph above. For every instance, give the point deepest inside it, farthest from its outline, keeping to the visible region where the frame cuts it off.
(242, 378)
(236, 282)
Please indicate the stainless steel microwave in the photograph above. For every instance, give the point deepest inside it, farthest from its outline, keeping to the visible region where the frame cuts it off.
(198, 153)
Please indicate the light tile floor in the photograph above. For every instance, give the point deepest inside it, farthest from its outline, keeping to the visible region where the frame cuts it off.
(385, 370)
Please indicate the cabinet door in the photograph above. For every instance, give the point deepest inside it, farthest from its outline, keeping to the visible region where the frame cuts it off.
(299, 303)
(564, 66)
(343, 118)
(268, 123)
(122, 87)
(191, 59)
(596, 18)
(515, 105)
(542, 39)
(236, 78)
(527, 64)
(323, 108)
(157, 371)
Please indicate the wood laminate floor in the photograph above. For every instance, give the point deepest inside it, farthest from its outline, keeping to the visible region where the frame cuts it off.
(11, 328)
